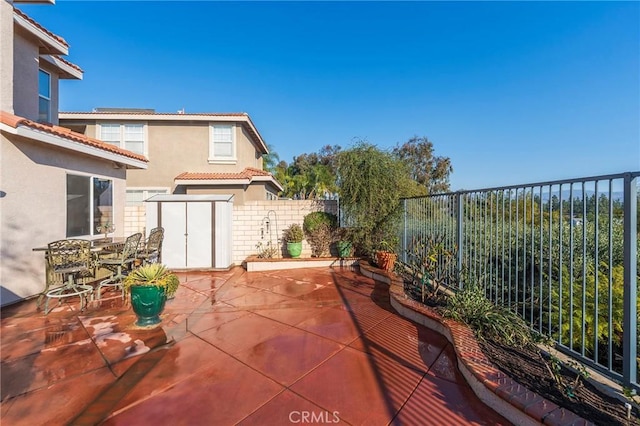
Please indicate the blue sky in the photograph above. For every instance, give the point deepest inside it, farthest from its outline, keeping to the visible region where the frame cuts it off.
(512, 92)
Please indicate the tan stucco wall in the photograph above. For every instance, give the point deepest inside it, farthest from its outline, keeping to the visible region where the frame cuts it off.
(239, 194)
(6, 53)
(175, 148)
(33, 208)
(25, 78)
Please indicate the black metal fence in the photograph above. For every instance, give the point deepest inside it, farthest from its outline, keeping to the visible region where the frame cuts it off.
(563, 254)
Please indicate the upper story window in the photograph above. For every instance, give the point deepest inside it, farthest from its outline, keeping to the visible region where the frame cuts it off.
(128, 136)
(222, 145)
(44, 97)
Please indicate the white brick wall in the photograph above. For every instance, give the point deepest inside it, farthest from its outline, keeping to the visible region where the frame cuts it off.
(134, 220)
(249, 223)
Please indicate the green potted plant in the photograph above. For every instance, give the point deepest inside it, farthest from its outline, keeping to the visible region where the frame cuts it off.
(150, 286)
(293, 236)
(343, 242)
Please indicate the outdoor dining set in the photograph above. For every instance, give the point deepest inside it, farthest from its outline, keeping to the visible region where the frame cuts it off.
(72, 264)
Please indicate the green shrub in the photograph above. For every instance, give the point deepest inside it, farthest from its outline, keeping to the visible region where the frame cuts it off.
(487, 320)
(314, 220)
(319, 228)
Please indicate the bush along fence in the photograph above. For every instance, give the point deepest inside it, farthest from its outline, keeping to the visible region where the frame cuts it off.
(562, 254)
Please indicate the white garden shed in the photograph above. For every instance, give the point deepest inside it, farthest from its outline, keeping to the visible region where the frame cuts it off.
(197, 229)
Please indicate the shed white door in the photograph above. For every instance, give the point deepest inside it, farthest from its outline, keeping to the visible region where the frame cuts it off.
(187, 234)
(199, 243)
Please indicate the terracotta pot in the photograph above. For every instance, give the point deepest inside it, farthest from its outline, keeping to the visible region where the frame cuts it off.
(386, 260)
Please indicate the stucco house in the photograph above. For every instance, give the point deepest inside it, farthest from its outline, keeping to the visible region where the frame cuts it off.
(54, 183)
(189, 153)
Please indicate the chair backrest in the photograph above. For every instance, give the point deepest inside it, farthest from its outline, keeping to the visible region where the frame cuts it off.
(154, 242)
(68, 252)
(130, 249)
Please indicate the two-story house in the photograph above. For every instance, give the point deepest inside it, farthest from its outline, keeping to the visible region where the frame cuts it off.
(54, 183)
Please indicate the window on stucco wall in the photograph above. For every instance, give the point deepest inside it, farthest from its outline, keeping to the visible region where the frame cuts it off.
(44, 97)
(89, 205)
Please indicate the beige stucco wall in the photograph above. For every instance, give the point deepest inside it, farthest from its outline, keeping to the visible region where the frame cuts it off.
(6, 53)
(26, 62)
(239, 194)
(25, 78)
(178, 147)
(33, 208)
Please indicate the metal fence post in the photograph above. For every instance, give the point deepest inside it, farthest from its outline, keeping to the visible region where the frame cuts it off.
(630, 250)
(404, 232)
(459, 237)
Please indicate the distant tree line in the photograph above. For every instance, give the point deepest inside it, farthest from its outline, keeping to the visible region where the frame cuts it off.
(316, 176)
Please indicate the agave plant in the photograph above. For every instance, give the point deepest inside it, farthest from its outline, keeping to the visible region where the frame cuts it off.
(153, 274)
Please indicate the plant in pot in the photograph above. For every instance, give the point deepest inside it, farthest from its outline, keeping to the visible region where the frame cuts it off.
(386, 256)
(293, 236)
(343, 242)
(150, 286)
(318, 229)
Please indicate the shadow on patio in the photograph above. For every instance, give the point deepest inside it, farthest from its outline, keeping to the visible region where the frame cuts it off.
(277, 347)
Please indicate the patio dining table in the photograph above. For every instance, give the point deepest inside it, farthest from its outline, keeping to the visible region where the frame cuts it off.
(97, 245)
(64, 278)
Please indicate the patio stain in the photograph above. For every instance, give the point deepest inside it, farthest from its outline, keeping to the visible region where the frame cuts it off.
(98, 410)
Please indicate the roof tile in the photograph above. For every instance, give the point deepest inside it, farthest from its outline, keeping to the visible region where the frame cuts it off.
(25, 16)
(15, 121)
(247, 173)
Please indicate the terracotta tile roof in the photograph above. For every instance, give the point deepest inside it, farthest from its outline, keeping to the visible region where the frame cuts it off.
(72, 65)
(247, 173)
(57, 37)
(15, 121)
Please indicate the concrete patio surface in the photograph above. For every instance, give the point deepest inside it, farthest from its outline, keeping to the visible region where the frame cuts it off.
(301, 346)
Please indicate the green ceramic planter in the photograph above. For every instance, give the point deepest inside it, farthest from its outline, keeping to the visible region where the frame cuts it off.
(294, 249)
(344, 248)
(148, 303)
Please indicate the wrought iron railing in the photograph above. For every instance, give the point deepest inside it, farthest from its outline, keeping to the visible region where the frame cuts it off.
(563, 254)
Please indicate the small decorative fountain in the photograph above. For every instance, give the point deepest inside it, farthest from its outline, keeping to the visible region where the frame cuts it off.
(269, 225)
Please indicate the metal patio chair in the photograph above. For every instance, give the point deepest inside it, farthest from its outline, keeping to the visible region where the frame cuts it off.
(68, 261)
(120, 263)
(152, 250)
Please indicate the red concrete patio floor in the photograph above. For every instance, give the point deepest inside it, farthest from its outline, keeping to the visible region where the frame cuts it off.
(236, 347)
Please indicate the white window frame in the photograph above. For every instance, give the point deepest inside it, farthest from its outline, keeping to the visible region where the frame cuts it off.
(122, 142)
(42, 96)
(271, 196)
(217, 159)
(145, 192)
(91, 209)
